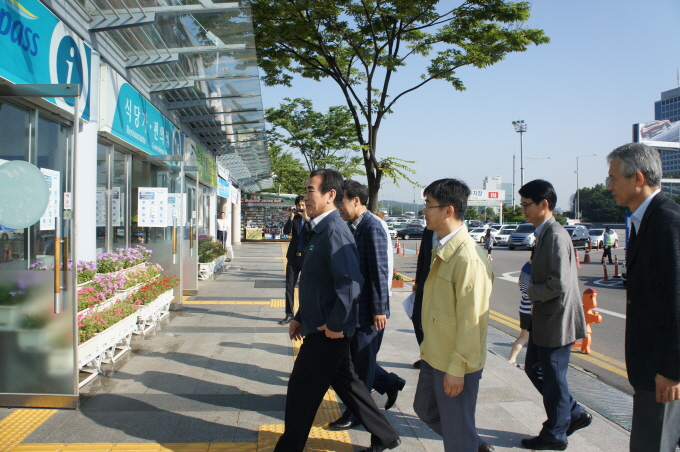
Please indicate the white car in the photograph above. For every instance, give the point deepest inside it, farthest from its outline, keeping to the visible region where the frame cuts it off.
(478, 234)
(597, 237)
(503, 235)
(392, 232)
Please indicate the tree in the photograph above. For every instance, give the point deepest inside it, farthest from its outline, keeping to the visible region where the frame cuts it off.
(289, 171)
(513, 215)
(597, 204)
(472, 213)
(361, 44)
(324, 140)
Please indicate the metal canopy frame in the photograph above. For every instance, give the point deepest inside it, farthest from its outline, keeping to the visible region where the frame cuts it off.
(198, 59)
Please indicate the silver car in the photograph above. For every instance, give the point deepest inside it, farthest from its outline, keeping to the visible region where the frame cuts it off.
(503, 235)
(522, 237)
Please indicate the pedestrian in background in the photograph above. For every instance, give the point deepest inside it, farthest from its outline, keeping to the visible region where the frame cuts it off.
(524, 281)
(489, 240)
(607, 238)
(455, 318)
(297, 225)
(653, 297)
(330, 284)
(557, 318)
(223, 234)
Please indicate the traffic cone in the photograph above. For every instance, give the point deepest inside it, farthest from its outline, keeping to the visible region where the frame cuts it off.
(396, 245)
(616, 267)
(606, 278)
(578, 263)
(586, 258)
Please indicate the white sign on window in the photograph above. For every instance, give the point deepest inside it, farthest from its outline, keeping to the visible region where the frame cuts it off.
(47, 220)
(115, 207)
(152, 207)
(100, 210)
(175, 209)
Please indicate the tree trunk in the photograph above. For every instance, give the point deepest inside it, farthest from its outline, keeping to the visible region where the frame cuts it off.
(373, 194)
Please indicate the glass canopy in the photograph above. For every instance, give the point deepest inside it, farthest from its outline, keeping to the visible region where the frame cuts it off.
(199, 56)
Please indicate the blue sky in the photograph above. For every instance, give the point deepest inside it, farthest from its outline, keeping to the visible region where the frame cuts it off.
(606, 64)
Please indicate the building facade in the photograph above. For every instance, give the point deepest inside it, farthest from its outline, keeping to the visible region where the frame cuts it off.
(668, 109)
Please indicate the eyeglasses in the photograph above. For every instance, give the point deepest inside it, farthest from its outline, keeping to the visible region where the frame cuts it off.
(432, 207)
(524, 205)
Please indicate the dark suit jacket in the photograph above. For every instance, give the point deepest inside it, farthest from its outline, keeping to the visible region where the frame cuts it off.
(557, 318)
(423, 265)
(371, 240)
(294, 227)
(330, 282)
(653, 301)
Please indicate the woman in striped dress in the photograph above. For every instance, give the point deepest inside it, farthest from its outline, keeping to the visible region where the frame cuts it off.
(524, 311)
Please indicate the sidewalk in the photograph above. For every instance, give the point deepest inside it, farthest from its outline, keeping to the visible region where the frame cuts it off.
(214, 378)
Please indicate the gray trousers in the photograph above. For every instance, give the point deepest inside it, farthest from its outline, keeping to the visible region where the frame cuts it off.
(656, 426)
(452, 417)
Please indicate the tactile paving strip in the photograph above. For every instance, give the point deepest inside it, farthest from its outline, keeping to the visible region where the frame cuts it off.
(18, 425)
(138, 447)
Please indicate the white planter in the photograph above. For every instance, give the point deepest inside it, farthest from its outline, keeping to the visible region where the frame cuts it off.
(153, 312)
(95, 347)
(9, 317)
(33, 340)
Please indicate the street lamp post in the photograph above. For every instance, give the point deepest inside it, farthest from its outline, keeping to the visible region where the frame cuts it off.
(577, 212)
(520, 127)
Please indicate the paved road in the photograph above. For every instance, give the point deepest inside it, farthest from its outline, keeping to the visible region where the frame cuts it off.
(607, 359)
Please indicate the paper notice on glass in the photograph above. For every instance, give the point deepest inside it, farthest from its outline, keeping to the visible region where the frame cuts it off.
(53, 182)
(153, 207)
(175, 209)
(115, 206)
(408, 304)
(100, 207)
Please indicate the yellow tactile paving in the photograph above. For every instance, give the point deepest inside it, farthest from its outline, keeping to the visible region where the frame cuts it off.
(277, 303)
(18, 425)
(137, 447)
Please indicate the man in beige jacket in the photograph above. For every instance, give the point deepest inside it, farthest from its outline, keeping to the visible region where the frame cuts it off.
(455, 316)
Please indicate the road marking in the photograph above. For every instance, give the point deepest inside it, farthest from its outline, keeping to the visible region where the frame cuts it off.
(507, 277)
(615, 314)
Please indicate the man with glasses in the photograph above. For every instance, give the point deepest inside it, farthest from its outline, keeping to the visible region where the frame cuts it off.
(557, 318)
(454, 318)
(653, 297)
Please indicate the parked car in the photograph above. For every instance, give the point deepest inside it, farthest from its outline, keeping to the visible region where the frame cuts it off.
(503, 236)
(596, 238)
(522, 237)
(579, 236)
(475, 224)
(411, 232)
(392, 232)
(652, 128)
(478, 234)
(588, 226)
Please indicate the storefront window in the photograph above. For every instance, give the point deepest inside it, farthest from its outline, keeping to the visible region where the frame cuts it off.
(102, 195)
(119, 199)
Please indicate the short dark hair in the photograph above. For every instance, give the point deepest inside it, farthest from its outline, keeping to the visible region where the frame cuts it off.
(330, 180)
(452, 192)
(354, 189)
(538, 190)
(298, 199)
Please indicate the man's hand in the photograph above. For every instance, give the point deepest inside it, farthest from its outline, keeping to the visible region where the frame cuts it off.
(331, 334)
(292, 213)
(295, 330)
(380, 321)
(415, 287)
(453, 385)
(667, 390)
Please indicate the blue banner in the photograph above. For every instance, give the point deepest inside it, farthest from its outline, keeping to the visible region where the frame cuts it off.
(222, 188)
(36, 47)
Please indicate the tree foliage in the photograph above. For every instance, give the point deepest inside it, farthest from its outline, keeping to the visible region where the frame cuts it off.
(324, 140)
(362, 44)
(289, 171)
(598, 205)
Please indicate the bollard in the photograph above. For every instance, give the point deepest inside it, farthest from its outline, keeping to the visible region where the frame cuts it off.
(598, 245)
(606, 278)
(616, 267)
(586, 258)
(590, 246)
(403, 249)
(417, 253)
(578, 263)
(396, 245)
(589, 303)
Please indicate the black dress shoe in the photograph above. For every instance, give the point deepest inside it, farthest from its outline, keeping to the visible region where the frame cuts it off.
(417, 364)
(375, 448)
(343, 424)
(537, 443)
(287, 320)
(485, 447)
(584, 420)
(393, 393)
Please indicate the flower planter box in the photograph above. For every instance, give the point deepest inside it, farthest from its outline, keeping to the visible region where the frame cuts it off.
(98, 345)
(396, 283)
(32, 340)
(150, 314)
(9, 317)
(141, 266)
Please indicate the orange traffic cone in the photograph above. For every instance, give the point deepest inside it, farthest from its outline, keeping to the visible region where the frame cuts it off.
(396, 245)
(578, 263)
(417, 253)
(606, 278)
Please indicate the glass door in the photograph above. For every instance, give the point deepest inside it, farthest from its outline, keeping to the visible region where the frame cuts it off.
(37, 322)
(190, 237)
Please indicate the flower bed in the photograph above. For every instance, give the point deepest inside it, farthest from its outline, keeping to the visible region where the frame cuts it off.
(107, 288)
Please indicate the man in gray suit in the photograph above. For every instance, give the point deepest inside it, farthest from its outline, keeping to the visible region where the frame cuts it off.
(557, 319)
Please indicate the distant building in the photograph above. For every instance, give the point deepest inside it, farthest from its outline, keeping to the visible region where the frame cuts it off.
(507, 186)
(493, 183)
(669, 108)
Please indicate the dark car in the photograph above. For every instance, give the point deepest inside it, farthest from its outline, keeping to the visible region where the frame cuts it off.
(579, 236)
(411, 232)
(652, 128)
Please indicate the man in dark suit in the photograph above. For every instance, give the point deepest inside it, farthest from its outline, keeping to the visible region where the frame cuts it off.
(557, 319)
(374, 300)
(427, 243)
(297, 224)
(653, 297)
(330, 284)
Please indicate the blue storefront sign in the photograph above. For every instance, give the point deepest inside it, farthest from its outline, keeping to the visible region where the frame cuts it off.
(222, 188)
(130, 117)
(38, 48)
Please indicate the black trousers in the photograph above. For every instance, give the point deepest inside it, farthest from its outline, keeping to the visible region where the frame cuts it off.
(607, 254)
(293, 268)
(322, 363)
(222, 237)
